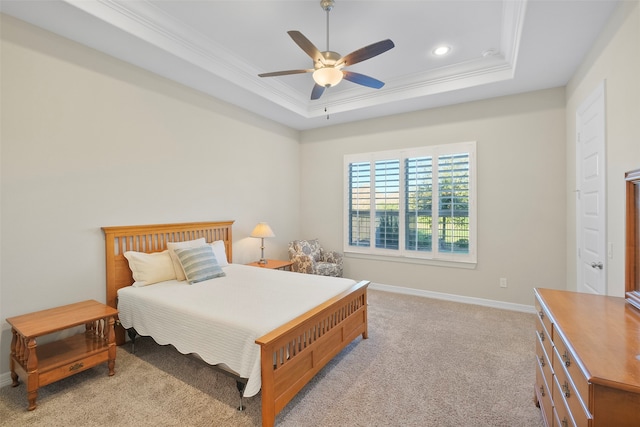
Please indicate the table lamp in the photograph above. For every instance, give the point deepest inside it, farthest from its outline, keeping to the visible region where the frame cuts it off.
(262, 230)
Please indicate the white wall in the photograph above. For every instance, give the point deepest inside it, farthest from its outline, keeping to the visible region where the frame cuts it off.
(521, 192)
(89, 141)
(615, 59)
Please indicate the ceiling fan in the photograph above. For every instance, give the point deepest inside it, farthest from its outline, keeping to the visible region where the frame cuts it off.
(328, 67)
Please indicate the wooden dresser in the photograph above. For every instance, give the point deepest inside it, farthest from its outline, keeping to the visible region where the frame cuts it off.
(588, 354)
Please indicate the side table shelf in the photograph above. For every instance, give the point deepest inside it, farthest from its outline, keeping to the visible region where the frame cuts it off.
(273, 264)
(41, 365)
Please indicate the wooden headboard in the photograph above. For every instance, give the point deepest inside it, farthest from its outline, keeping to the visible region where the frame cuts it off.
(152, 238)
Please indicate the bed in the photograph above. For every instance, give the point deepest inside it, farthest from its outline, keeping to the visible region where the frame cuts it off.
(287, 356)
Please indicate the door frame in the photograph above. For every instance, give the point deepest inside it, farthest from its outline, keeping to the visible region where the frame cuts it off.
(595, 99)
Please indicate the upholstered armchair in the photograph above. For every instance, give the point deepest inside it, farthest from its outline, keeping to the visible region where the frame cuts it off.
(308, 257)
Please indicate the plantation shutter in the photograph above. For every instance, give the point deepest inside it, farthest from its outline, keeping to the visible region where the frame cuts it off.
(453, 196)
(387, 203)
(418, 203)
(360, 204)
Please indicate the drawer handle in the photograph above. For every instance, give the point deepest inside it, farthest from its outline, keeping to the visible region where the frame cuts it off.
(565, 423)
(542, 391)
(541, 361)
(565, 388)
(541, 334)
(566, 358)
(76, 366)
(541, 314)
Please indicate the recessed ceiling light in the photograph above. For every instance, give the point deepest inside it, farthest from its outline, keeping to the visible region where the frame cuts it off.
(441, 50)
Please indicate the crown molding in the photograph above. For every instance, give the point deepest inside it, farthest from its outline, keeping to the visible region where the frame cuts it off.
(146, 22)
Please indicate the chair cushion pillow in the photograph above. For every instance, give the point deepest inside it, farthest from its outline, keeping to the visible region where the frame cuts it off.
(310, 248)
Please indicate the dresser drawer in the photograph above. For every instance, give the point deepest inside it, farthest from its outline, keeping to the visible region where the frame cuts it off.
(561, 410)
(543, 317)
(51, 375)
(543, 394)
(544, 336)
(567, 391)
(544, 362)
(563, 357)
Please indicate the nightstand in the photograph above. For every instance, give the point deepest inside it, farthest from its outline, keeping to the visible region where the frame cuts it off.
(42, 365)
(274, 264)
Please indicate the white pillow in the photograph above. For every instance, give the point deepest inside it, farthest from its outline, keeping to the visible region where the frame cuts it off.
(220, 252)
(150, 268)
(171, 246)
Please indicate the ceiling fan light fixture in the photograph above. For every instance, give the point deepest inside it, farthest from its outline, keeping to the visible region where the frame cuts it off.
(327, 66)
(327, 76)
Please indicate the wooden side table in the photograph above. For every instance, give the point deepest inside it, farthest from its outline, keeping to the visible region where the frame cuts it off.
(274, 264)
(38, 366)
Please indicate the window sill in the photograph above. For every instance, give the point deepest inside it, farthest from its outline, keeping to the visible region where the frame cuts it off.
(468, 265)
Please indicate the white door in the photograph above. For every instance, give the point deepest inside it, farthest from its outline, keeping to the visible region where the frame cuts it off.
(590, 208)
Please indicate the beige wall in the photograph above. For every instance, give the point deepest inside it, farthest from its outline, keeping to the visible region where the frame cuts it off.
(89, 141)
(614, 59)
(521, 192)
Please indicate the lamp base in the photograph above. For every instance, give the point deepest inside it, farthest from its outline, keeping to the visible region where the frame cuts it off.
(262, 261)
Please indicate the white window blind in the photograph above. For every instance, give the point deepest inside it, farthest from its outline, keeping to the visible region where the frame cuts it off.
(422, 202)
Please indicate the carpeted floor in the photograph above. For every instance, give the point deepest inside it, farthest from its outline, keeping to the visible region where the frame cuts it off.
(426, 363)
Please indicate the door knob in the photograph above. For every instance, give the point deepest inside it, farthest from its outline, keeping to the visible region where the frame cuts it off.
(597, 265)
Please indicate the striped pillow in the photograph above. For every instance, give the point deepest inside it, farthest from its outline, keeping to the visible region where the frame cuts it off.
(199, 263)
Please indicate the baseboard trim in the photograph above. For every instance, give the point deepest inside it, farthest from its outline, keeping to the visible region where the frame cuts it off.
(455, 298)
(5, 379)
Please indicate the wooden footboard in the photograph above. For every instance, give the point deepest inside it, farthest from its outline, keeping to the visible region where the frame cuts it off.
(293, 353)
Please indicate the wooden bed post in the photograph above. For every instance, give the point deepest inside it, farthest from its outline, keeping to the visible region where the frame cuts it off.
(267, 390)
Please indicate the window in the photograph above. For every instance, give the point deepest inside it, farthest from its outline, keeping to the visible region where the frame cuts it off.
(417, 203)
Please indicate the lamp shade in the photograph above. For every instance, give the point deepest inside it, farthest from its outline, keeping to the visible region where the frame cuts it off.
(327, 76)
(262, 230)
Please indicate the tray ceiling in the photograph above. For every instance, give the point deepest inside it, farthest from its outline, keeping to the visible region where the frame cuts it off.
(219, 48)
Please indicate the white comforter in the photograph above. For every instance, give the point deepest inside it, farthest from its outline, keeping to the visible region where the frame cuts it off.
(220, 319)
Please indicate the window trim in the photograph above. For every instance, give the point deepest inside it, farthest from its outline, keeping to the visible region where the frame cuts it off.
(402, 254)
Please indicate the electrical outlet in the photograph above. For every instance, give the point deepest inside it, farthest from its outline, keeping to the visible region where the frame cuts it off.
(503, 282)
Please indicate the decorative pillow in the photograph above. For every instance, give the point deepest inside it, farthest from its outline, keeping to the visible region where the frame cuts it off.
(310, 248)
(199, 264)
(172, 246)
(220, 252)
(150, 268)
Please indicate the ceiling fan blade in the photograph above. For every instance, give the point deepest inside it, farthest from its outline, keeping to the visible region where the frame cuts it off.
(317, 91)
(306, 45)
(366, 52)
(361, 79)
(284, 73)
